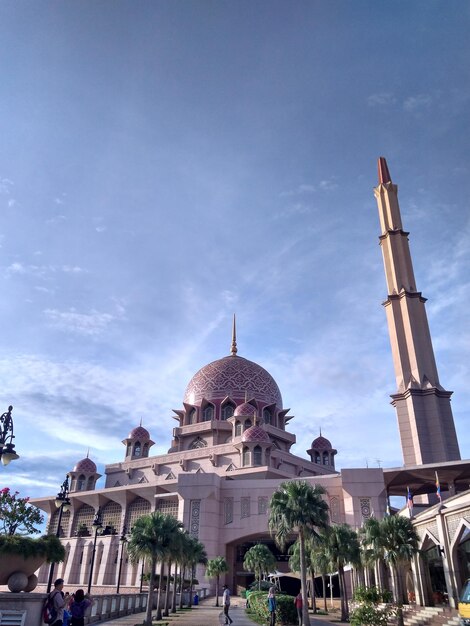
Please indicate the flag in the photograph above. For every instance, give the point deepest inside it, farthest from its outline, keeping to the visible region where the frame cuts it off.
(438, 488)
(409, 500)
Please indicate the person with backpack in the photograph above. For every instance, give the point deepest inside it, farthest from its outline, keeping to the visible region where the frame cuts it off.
(53, 613)
(78, 606)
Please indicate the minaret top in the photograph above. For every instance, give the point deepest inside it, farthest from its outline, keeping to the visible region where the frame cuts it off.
(384, 174)
(233, 349)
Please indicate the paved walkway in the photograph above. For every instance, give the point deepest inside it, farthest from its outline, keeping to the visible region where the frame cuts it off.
(206, 614)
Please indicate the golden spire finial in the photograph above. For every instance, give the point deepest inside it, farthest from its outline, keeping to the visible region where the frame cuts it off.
(88, 453)
(233, 349)
(141, 421)
(320, 431)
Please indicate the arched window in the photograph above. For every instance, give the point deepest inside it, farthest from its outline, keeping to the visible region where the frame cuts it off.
(145, 452)
(246, 457)
(137, 449)
(128, 449)
(208, 413)
(247, 424)
(238, 429)
(193, 416)
(227, 410)
(267, 416)
(198, 443)
(81, 483)
(317, 457)
(90, 483)
(326, 458)
(257, 456)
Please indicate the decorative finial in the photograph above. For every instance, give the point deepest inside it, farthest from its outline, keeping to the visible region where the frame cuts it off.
(320, 431)
(88, 453)
(140, 421)
(233, 349)
(384, 174)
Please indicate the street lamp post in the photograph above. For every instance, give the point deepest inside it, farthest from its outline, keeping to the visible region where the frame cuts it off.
(7, 447)
(123, 541)
(97, 524)
(62, 502)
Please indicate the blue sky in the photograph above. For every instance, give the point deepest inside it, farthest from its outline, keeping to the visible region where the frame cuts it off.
(165, 164)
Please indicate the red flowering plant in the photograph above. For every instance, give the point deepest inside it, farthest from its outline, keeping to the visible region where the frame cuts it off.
(17, 516)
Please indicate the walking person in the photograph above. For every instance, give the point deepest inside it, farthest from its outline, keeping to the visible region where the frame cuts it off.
(57, 597)
(78, 606)
(272, 606)
(299, 605)
(226, 602)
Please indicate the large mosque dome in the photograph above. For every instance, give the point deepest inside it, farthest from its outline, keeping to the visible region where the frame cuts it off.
(233, 376)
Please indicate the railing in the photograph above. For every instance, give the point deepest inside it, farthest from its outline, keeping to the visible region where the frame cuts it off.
(114, 605)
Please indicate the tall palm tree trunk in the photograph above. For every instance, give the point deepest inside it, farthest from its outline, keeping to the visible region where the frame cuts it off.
(323, 581)
(344, 597)
(167, 592)
(160, 585)
(182, 574)
(303, 579)
(217, 578)
(175, 589)
(148, 613)
(314, 602)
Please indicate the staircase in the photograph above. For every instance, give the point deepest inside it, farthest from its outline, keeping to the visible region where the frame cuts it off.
(430, 616)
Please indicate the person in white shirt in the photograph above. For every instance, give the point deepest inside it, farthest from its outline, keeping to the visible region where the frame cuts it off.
(226, 603)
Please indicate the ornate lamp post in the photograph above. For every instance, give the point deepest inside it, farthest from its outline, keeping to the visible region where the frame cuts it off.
(97, 524)
(62, 502)
(123, 541)
(7, 447)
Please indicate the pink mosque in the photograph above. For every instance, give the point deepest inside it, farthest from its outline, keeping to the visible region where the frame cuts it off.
(231, 448)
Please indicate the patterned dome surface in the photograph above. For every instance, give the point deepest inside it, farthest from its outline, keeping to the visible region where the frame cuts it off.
(139, 433)
(255, 433)
(321, 443)
(232, 376)
(246, 410)
(85, 465)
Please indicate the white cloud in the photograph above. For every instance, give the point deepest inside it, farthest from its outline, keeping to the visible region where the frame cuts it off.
(92, 324)
(413, 104)
(383, 98)
(5, 186)
(328, 185)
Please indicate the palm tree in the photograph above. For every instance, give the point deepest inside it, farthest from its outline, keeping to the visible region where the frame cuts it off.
(216, 567)
(321, 564)
(400, 542)
(294, 564)
(151, 536)
(341, 548)
(373, 552)
(297, 507)
(196, 554)
(260, 560)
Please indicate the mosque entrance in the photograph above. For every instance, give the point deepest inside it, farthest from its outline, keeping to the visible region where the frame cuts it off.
(435, 575)
(463, 556)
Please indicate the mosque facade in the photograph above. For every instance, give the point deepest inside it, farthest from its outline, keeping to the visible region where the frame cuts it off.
(231, 448)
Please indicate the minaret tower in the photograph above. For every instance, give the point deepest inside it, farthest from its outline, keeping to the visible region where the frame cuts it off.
(424, 413)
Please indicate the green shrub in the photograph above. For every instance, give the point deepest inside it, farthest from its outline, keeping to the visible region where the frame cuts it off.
(286, 613)
(372, 595)
(369, 614)
(48, 546)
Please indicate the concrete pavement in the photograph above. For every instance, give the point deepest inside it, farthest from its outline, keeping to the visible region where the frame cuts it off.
(206, 614)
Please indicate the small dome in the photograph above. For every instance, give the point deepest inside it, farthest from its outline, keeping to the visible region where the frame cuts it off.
(321, 443)
(139, 432)
(245, 410)
(255, 433)
(86, 466)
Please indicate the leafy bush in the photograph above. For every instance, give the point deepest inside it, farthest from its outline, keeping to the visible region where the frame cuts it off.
(369, 614)
(48, 546)
(372, 595)
(286, 613)
(265, 585)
